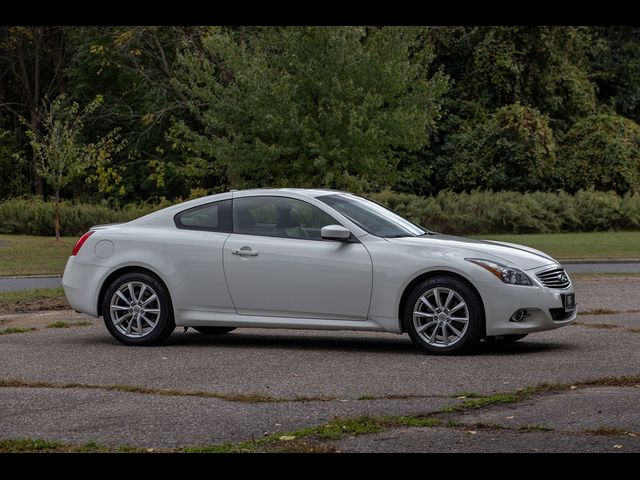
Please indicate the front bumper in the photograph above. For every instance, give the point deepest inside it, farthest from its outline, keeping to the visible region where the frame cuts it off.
(537, 300)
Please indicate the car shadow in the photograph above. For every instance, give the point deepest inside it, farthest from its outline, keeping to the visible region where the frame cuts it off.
(329, 343)
(393, 344)
(239, 339)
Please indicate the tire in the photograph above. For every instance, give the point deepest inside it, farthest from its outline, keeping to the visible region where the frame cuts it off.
(504, 339)
(432, 339)
(114, 307)
(214, 330)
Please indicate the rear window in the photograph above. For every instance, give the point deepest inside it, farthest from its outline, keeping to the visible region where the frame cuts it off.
(211, 217)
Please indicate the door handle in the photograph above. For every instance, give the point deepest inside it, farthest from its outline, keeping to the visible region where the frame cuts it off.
(245, 252)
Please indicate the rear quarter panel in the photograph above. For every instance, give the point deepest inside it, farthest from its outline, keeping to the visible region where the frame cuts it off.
(188, 262)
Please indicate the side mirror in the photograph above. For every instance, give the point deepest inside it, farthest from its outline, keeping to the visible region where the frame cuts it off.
(335, 232)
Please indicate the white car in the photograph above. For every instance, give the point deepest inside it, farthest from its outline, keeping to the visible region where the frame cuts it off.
(311, 259)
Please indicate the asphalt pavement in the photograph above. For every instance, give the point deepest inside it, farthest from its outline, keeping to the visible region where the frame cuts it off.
(318, 375)
(8, 284)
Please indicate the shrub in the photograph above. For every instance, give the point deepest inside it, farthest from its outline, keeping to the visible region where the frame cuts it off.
(482, 212)
(478, 212)
(511, 149)
(34, 216)
(603, 152)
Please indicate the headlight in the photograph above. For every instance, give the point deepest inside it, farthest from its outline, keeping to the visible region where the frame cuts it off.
(510, 275)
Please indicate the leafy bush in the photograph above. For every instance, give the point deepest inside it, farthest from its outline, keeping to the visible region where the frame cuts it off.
(514, 212)
(34, 216)
(478, 212)
(511, 149)
(602, 151)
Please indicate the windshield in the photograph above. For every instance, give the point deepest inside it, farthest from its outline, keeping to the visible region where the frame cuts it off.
(372, 217)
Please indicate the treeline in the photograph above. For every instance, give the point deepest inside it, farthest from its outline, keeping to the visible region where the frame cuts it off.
(447, 212)
(128, 114)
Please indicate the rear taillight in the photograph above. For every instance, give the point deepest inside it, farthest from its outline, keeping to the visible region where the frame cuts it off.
(80, 242)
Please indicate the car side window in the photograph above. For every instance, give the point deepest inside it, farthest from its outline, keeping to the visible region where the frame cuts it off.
(211, 217)
(279, 217)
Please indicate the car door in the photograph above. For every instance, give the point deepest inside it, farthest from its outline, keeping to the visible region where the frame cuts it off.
(276, 263)
(194, 256)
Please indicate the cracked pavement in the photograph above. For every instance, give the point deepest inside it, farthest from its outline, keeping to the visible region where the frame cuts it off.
(342, 365)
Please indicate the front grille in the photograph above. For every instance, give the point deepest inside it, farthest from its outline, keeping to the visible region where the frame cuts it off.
(556, 278)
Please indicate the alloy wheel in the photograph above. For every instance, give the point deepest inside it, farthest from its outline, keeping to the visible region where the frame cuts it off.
(441, 317)
(135, 309)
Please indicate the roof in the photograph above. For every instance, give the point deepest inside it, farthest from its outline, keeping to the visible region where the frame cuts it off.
(311, 192)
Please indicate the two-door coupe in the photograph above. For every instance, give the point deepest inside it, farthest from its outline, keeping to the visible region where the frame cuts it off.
(313, 259)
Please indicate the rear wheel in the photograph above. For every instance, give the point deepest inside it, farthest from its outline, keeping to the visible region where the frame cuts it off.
(214, 330)
(504, 339)
(137, 310)
(444, 316)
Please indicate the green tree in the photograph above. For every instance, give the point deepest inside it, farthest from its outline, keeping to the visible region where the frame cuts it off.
(133, 67)
(601, 152)
(616, 70)
(544, 67)
(60, 155)
(511, 149)
(32, 61)
(309, 106)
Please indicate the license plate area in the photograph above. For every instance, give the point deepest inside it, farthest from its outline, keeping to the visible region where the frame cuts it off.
(569, 301)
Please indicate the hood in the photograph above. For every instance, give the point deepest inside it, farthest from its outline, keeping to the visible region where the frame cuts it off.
(518, 255)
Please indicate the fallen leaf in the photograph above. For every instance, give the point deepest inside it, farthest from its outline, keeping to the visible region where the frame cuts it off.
(287, 437)
(617, 446)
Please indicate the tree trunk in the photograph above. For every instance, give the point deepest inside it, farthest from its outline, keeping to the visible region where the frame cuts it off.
(57, 220)
(37, 179)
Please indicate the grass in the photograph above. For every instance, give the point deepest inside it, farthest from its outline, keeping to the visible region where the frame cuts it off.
(29, 255)
(598, 326)
(10, 330)
(38, 445)
(311, 439)
(63, 324)
(535, 428)
(599, 311)
(333, 430)
(230, 397)
(477, 401)
(32, 300)
(601, 275)
(608, 431)
(484, 401)
(591, 245)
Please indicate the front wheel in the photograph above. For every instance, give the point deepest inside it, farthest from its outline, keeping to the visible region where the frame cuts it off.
(137, 310)
(444, 315)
